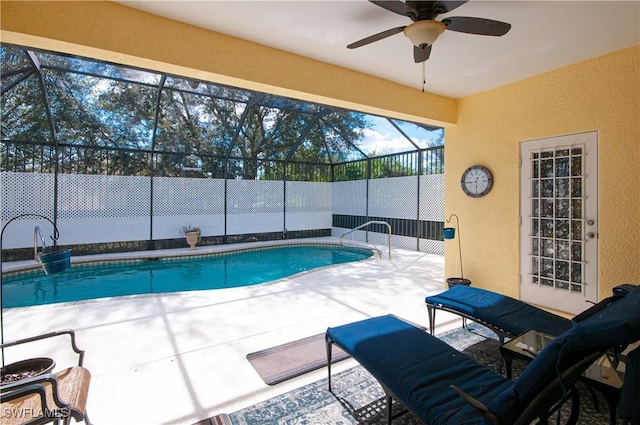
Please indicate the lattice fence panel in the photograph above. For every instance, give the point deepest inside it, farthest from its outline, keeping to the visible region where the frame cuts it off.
(350, 197)
(83, 196)
(309, 205)
(432, 246)
(254, 196)
(187, 197)
(432, 197)
(432, 209)
(393, 197)
(22, 193)
(179, 202)
(309, 197)
(26, 193)
(254, 206)
(103, 208)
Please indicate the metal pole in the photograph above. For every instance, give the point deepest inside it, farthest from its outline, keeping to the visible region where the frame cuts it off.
(56, 234)
(459, 245)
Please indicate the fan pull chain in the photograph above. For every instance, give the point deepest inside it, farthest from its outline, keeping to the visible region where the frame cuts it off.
(424, 76)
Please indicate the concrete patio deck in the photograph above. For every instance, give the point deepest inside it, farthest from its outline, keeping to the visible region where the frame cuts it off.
(180, 358)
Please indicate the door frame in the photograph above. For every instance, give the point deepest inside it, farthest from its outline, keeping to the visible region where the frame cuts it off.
(551, 297)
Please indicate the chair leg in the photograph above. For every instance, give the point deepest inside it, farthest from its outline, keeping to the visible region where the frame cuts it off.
(389, 401)
(329, 345)
(575, 408)
(431, 312)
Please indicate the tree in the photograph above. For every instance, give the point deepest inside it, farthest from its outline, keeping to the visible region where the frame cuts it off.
(117, 120)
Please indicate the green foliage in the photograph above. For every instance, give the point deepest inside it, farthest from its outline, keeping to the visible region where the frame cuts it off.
(110, 119)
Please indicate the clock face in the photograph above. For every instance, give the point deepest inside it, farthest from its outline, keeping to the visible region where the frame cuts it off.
(476, 181)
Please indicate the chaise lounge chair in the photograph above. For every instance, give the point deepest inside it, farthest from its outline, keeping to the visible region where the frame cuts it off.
(504, 315)
(442, 386)
(49, 397)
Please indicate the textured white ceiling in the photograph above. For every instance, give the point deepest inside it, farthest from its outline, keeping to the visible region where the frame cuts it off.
(545, 35)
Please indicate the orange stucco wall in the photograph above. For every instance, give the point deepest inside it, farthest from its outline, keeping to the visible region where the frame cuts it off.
(603, 95)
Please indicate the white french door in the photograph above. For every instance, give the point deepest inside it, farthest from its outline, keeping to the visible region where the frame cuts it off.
(559, 222)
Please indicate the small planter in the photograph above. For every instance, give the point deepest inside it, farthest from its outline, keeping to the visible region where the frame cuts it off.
(449, 232)
(26, 369)
(455, 281)
(55, 261)
(192, 239)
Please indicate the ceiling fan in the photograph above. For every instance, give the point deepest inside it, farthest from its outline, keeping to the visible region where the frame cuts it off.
(424, 30)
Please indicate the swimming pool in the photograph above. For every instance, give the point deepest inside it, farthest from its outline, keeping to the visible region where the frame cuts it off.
(172, 274)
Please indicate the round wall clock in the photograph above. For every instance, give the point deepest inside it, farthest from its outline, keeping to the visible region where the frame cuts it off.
(476, 181)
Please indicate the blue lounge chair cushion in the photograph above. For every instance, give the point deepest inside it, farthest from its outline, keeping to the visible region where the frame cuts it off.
(514, 316)
(618, 324)
(419, 368)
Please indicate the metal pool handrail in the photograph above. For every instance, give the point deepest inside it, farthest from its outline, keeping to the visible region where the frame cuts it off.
(367, 224)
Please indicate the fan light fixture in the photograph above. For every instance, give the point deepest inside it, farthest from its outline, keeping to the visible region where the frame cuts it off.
(425, 32)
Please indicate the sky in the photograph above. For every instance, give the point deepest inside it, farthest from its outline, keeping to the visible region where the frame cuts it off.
(384, 138)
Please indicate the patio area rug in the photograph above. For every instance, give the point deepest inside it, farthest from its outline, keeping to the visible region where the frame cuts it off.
(359, 399)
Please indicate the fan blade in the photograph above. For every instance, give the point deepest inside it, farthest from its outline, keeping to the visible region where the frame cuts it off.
(436, 7)
(478, 26)
(396, 6)
(375, 37)
(421, 54)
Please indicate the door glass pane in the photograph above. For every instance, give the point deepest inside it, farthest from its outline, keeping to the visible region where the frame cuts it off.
(562, 188)
(562, 167)
(576, 187)
(562, 229)
(535, 188)
(547, 227)
(562, 208)
(563, 252)
(576, 251)
(546, 168)
(576, 165)
(576, 272)
(547, 208)
(557, 205)
(547, 188)
(576, 208)
(562, 270)
(576, 229)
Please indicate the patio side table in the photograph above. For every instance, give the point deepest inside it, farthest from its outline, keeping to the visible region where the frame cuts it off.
(605, 375)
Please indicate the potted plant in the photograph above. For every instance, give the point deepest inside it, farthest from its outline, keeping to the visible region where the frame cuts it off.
(26, 369)
(192, 234)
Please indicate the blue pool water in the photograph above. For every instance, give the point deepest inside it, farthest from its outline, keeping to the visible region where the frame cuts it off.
(224, 270)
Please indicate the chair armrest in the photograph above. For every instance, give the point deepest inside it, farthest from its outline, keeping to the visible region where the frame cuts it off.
(20, 411)
(478, 406)
(24, 390)
(69, 332)
(34, 383)
(35, 401)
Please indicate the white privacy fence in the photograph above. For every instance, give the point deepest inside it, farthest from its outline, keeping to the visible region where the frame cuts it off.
(102, 209)
(413, 206)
